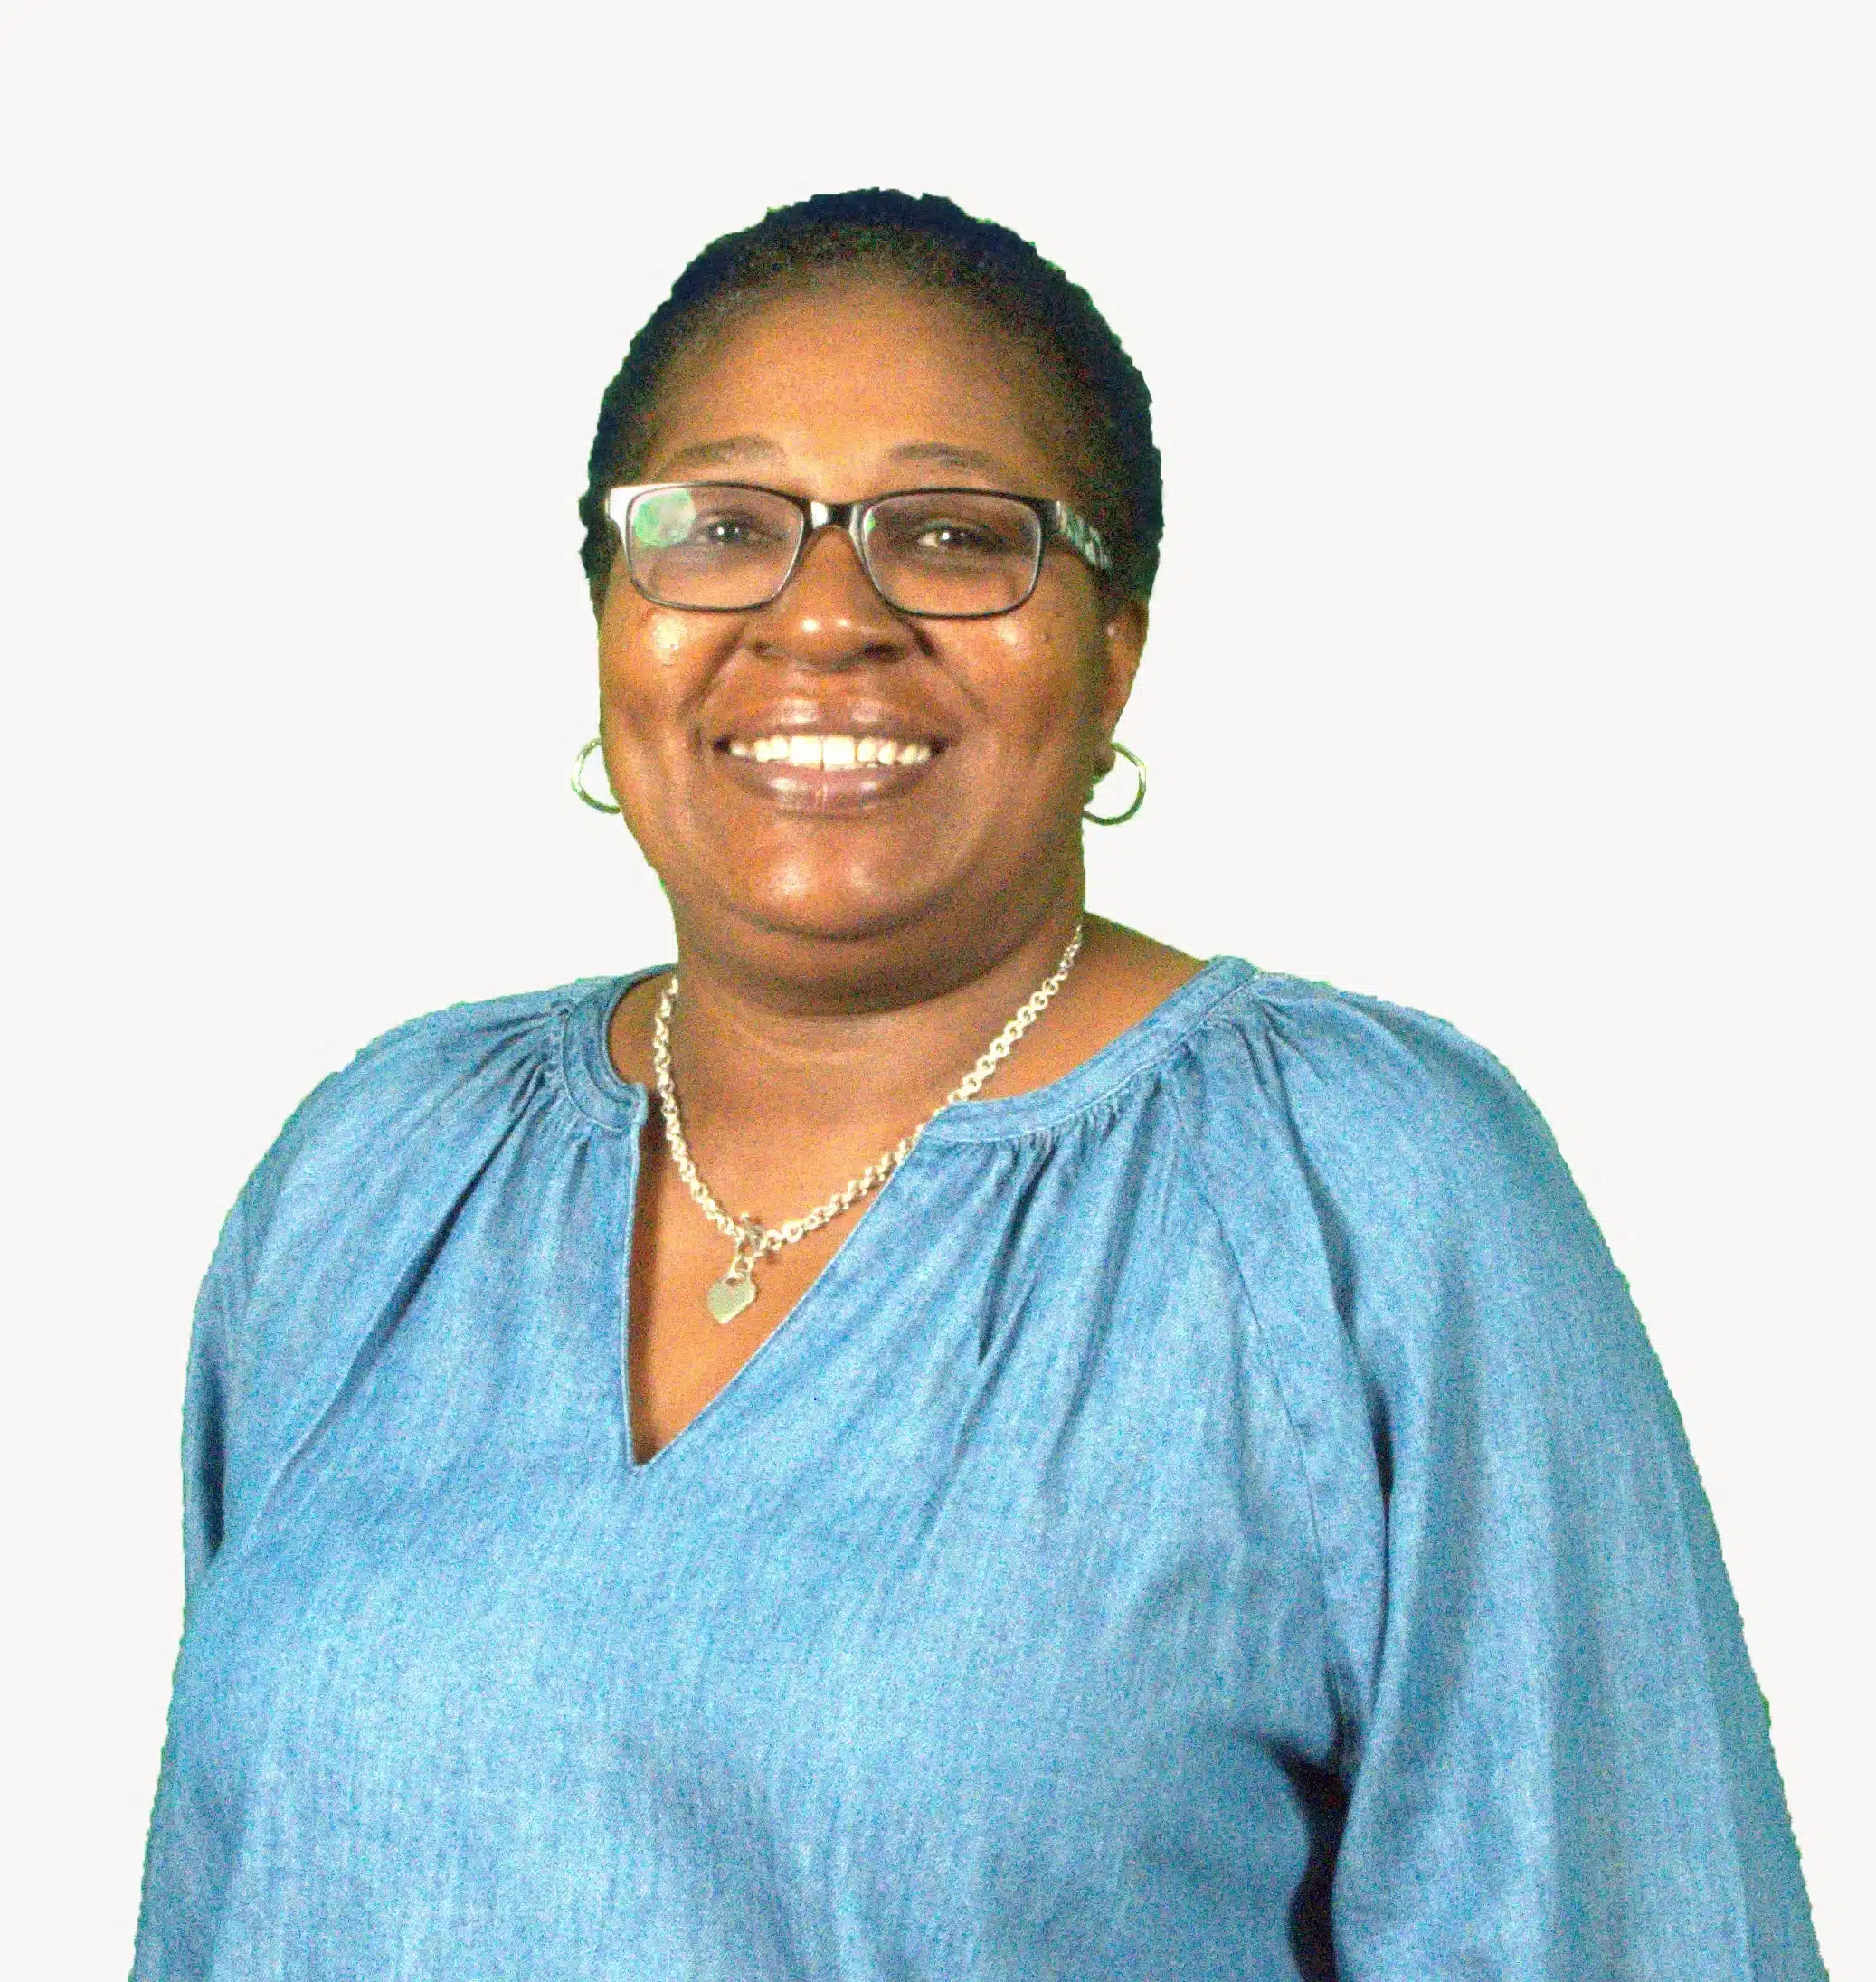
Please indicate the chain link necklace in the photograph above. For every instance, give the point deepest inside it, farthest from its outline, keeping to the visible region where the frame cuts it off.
(753, 1240)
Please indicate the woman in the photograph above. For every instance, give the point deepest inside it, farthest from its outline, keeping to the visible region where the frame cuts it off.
(1211, 1509)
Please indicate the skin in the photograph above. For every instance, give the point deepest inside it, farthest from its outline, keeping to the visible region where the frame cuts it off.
(844, 962)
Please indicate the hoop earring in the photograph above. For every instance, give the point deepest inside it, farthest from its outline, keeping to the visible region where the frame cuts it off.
(1120, 819)
(579, 780)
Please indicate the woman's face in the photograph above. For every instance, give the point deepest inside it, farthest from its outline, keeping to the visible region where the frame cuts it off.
(838, 394)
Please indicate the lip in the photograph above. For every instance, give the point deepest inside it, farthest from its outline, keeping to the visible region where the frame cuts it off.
(815, 788)
(850, 788)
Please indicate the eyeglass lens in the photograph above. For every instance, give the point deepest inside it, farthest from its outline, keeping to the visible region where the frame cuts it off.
(943, 554)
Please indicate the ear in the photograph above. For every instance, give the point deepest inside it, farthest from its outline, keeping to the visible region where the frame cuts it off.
(1123, 638)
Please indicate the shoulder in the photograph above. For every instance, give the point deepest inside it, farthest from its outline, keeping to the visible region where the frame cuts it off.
(428, 1096)
(420, 1064)
(442, 1047)
(1412, 1244)
(1349, 1078)
(1403, 1158)
(373, 1163)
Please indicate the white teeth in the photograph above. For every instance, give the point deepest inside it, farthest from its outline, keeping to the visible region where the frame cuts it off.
(828, 753)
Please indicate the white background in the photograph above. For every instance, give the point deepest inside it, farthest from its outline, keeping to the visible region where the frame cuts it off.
(1513, 373)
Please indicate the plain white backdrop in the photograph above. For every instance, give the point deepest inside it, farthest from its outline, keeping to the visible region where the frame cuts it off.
(1513, 369)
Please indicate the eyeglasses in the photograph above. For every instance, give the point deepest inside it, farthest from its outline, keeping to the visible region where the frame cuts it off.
(940, 553)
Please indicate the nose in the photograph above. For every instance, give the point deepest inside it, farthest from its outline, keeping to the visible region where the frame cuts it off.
(829, 614)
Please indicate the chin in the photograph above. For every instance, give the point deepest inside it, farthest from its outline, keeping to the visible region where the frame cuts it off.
(843, 919)
(823, 892)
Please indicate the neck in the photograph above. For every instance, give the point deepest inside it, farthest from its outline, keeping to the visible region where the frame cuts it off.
(853, 1056)
(784, 1100)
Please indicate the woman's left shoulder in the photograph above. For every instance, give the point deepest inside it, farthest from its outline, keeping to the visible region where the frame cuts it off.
(1395, 1115)
(1391, 1194)
(1360, 1059)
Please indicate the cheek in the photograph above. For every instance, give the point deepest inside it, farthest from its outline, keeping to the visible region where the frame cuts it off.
(666, 638)
(653, 663)
(1041, 682)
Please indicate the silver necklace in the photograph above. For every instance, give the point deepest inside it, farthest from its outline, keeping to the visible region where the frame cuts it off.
(752, 1239)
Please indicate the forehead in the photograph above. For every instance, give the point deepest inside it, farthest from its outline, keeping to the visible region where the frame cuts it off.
(845, 374)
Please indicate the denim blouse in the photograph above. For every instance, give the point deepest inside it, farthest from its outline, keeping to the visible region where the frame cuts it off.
(1217, 1515)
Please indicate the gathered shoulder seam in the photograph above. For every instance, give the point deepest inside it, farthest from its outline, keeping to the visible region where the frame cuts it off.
(1344, 1680)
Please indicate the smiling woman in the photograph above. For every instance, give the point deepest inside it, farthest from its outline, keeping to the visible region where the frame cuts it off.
(679, 1485)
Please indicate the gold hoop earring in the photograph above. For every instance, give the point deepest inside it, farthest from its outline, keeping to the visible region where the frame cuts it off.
(1120, 819)
(580, 791)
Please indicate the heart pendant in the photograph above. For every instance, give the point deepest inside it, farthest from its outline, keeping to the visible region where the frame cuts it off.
(727, 1298)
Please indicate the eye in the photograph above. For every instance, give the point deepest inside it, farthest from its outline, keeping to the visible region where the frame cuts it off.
(733, 529)
(711, 522)
(955, 538)
(950, 530)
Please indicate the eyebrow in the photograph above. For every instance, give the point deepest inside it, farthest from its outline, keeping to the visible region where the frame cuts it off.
(742, 446)
(946, 454)
(714, 453)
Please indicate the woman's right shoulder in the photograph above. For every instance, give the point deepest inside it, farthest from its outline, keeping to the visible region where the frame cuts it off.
(426, 1094)
(358, 1191)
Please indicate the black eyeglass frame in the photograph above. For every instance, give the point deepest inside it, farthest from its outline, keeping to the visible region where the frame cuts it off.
(1060, 524)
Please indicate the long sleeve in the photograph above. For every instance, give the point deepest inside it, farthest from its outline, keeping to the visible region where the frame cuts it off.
(205, 1397)
(1561, 1766)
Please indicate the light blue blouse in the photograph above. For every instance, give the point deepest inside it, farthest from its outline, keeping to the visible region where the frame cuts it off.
(1217, 1516)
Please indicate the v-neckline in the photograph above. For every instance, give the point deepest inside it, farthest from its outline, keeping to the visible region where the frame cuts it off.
(598, 1090)
(723, 1401)
(740, 1381)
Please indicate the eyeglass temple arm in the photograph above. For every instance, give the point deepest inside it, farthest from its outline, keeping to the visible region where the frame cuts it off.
(1080, 536)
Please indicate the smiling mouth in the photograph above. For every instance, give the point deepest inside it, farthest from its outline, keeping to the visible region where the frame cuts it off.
(808, 752)
(828, 773)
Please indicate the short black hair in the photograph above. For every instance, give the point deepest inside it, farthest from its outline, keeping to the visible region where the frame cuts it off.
(932, 242)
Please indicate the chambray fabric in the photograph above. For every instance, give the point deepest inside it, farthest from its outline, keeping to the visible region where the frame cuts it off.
(1217, 1516)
